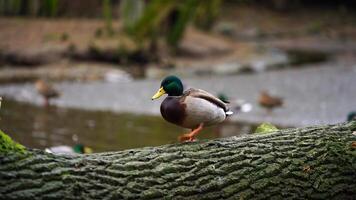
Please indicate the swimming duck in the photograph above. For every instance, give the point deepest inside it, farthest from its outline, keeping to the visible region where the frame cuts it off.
(64, 149)
(351, 116)
(236, 105)
(193, 109)
(46, 90)
(268, 101)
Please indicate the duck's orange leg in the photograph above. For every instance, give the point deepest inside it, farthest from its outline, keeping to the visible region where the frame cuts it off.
(191, 136)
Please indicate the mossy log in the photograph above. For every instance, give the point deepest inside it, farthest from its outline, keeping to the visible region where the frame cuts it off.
(304, 163)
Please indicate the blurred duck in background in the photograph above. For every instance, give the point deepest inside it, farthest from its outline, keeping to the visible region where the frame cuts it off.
(269, 102)
(46, 90)
(351, 116)
(236, 105)
(64, 149)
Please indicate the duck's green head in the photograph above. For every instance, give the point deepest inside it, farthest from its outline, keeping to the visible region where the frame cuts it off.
(79, 148)
(170, 85)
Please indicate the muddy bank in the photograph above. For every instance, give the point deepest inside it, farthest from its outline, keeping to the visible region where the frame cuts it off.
(39, 43)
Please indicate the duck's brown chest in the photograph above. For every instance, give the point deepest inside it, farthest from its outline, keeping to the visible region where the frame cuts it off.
(173, 110)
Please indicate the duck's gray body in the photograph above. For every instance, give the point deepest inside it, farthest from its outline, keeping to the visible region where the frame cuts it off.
(194, 107)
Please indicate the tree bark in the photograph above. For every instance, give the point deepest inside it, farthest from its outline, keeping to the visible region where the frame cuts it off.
(304, 163)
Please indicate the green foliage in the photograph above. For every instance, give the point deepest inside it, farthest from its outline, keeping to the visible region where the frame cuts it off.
(33, 7)
(15, 6)
(185, 13)
(131, 11)
(165, 18)
(207, 13)
(108, 17)
(265, 128)
(2, 7)
(8, 145)
(147, 26)
(49, 7)
(12, 7)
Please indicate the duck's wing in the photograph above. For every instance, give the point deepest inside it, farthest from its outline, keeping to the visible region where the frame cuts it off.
(198, 93)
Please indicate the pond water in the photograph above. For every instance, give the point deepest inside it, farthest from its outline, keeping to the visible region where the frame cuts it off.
(39, 127)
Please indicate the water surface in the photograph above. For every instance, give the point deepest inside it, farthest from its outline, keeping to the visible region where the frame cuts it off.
(39, 127)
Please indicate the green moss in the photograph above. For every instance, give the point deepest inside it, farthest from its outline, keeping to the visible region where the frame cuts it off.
(265, 128)
(8, 145)
(351, 125)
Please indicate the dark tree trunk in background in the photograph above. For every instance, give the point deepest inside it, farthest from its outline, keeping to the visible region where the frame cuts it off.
(308, 163)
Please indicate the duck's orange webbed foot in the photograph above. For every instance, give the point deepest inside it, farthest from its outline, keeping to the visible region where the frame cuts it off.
(191, 136)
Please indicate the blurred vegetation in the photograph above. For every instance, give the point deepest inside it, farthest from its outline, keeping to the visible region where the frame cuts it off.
(7, 145)
(47, 8)
(265, 128)
(167, 19)
(131, 11)
(207, 14)
(108, 17)
(149, 24)
(92, 8)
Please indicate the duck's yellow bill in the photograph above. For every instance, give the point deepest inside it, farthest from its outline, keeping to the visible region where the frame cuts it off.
(88, 150)
(159, 93)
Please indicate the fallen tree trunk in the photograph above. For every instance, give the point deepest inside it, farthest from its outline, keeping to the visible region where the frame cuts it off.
(314, 162)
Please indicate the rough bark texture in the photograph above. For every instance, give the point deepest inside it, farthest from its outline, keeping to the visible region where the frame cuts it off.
(313, 163)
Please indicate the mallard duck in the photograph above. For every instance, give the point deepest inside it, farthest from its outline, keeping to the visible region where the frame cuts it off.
(351, 116)
(193, 109)
(268, 101)
(236, 105)
(64, 149)
(46, 91)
